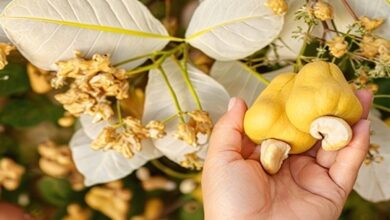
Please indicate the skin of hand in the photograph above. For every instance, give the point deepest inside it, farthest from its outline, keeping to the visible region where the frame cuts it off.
(313, 185)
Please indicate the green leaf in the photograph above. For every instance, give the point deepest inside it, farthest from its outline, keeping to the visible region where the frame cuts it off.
(194, 213)
(26, 113)
(7, 145)
(13, 80)
(384, 88)
(54, 191)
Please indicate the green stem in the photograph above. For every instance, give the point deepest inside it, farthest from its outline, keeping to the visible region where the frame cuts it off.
(299, 64)
(256, 74)
(173, 94)
(168, 171)
(158, 62)
(382, 96)
(184, 71)
(334, 26)
(169, 118)
(381, 107)
(133, 59)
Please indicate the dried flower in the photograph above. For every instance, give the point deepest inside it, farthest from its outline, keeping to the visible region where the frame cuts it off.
(75, 212)
(192, 161)
(106, 139)
(39, 79)
(127, 141)
(373, 155)
(337, 46)
(187, 133)
(156, 129)
(369, 46)
(112, 199)
(201, 121)
(56, 161)
(10, 174)
(93, 82)
(279, 7)
(5, 50)
(158, 183)
(370, 24)
(323, 11)
(67, 120)
(75, 101)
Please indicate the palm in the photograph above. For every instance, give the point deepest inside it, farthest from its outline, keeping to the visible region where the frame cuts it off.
(313, 185)
(302, 189)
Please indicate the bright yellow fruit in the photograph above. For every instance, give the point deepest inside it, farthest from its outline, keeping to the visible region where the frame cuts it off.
(286, 108)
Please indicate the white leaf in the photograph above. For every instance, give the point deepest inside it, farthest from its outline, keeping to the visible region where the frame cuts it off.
(238, 81)
(159, 104)
(3, 36)
(49, 31)
(287, 46)
(232, 29)
(373, 182)
(369, 8)
(105, 166)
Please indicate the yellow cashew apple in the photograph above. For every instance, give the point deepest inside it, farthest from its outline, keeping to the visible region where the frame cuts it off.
(296, 109)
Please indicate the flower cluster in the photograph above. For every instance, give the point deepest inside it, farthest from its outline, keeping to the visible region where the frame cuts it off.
(279, 7)
(112, 199)
(373, 155)
(192, 161)
(56, 161)
(5, 50)
(10, 174)
(93, 82)
(337, 46)
(76, 212)
(199, 123)
(128, 137)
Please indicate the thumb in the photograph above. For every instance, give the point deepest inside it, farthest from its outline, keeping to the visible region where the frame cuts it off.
(228, 131)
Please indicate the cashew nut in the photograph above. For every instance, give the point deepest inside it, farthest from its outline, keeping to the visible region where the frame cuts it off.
(334, 132)
(273, 152)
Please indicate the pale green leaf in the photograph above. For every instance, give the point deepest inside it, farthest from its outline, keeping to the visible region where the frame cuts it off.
(105, 166)
(3, 36)
(374, 179)
(49, 31)
(369, 8)
(231, 29)
(159, 104)
(242, 82)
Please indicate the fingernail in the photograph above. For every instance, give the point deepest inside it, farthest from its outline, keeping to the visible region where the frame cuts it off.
(232, 102)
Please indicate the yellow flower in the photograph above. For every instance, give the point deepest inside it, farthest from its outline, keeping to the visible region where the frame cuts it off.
(192, 161)
(323, 11)
(371, 46)
(370, 24)
(279, 7)
(10, 174)
(187, 133)
(75, 212)
(111, 199)
(201, 121)
(39, 79)
(337, 46)
(93, 82)
(156, 129)
(56, 161)
(5, 50)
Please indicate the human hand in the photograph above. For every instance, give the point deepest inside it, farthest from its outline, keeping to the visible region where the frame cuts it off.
(313, 185)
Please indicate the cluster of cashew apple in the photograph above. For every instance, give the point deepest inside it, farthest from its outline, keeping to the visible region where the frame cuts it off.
(296, 110)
